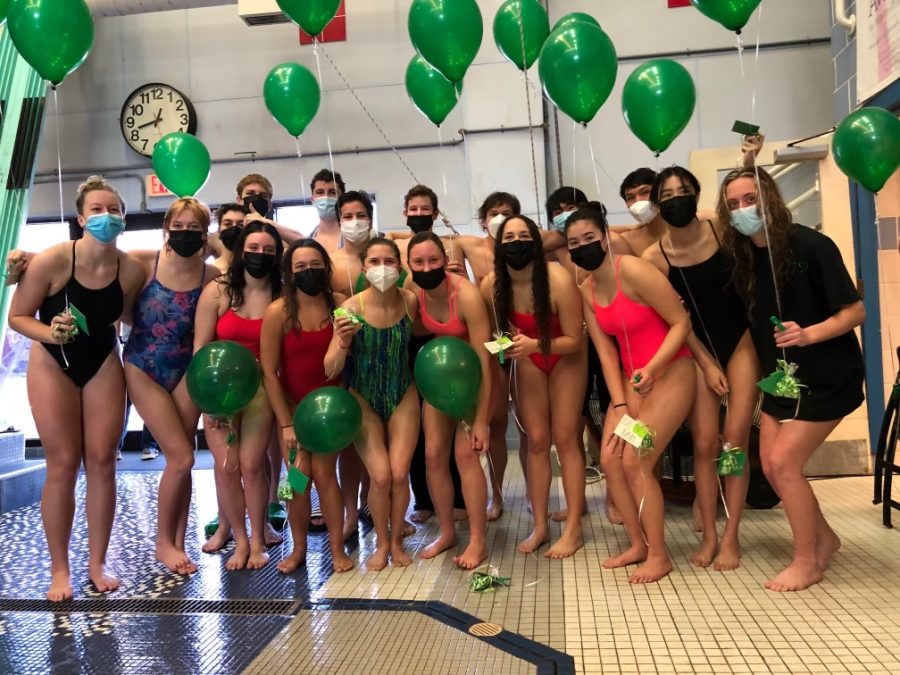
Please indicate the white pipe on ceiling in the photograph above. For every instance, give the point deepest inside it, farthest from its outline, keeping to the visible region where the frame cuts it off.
(102, 8)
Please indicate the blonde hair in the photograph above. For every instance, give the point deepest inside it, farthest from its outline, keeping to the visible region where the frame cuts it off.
(92, 184)
(196, 207)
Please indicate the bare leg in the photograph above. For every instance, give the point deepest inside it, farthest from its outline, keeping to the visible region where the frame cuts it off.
(438, 434)
(499, 454)
(704, 423)
(474, 489)
(298, 510)
(324, 473)
(255, 432)
(350, 468)
(230, 492)
(403, 429)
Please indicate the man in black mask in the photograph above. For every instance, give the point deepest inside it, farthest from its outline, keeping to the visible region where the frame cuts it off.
(420, 209)
(230, 219)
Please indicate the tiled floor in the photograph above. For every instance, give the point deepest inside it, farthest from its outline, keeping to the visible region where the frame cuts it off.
(695, 621)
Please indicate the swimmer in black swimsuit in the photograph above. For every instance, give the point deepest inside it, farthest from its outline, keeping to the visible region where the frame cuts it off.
(75, 382)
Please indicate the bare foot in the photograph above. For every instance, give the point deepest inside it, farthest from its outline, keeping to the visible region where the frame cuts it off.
(472, 556)
(271, 535)
(341, 562)
(565, 546)
(826, 547)
(612, 513)
(704, 554)
(293, 561)
(729, 557)
(103, 581)
(421, 516)
(795, 577)
(438, 546)
(218, 541)
(60, 587)
(535, 540)
(378, 560)
(459, 515)
(399, 556)
(258, 558)
(652, 570)
(408, 529)
(238, 559)
(494, 510)
(351, 528)
(698, 520)
(635, 554)
(563, 514)
(177, 561)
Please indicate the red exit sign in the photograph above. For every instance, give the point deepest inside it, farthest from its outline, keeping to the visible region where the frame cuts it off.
(335, 31)
(679, 3)
(155, 188)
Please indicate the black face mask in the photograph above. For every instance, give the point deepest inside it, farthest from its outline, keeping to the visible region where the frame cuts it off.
(260, 203)
(259, 265)
(679, 211)
(419, 223)
(229, 237)
(517, 254)
(588, 256)
(311, 281)
(185, 242)
(431, 279)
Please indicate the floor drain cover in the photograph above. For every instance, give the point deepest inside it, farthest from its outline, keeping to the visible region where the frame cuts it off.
(485, 629)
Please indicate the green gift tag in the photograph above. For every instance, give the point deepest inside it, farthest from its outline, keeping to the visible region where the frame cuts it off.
(343, 312)
(285, 492)
(482, 582)
(783, 382)
(646, 435)
(80, 319)
(298, 480)
(732, 461)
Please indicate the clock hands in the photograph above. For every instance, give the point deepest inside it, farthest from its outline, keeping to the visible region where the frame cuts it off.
(154, 122)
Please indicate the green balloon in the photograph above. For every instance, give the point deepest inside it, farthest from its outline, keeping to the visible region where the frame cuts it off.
(182, 163)
(733, 14)
(327, 420)
(432, 93)
(448, 375)
(575, 17)
(578, 69)
(658, 101)
(311, 15)
(292, 96)
(866, 146)
(222, 378)
(519, 21)
(53, 36)
(447, 33)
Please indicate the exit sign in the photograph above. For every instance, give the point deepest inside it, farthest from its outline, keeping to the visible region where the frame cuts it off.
(679, 3)
(155, 188)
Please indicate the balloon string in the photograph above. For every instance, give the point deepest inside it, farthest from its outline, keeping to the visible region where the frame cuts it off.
(537, 195)
(443, 167)
(322, 86)
(299, 153)
(62, 217)
(756, 65)
(574, 155)
(740, 50)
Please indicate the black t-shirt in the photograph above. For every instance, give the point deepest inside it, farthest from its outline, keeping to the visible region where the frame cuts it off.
(817, 287)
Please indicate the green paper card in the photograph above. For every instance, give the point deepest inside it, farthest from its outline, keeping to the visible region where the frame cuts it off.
(298, 480)
(80, 319)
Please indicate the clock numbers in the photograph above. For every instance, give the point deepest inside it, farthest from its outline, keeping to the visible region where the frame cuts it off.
(151, 112)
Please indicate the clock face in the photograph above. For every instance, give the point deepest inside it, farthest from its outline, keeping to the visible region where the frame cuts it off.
(152, 111)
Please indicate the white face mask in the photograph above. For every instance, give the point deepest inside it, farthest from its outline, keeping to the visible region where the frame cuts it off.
(643, 211)
(356, 231)
(382, 277)
(495, 223)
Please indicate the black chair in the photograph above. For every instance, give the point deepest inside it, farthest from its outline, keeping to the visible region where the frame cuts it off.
(885, 468)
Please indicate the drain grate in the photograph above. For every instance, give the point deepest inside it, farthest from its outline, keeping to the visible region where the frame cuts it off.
(154, 606)
(485, 629)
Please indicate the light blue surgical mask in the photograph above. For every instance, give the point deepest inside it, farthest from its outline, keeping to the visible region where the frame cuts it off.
(325, 207)
(747, 220)
(559, 220)
(105, 227)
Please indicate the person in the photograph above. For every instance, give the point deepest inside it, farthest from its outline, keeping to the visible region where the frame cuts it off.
(420, 209)
(156, 359)
(233, 309)
(297, 330)
(479, 251)
(325, 188)
(690, 254)
(355, 213)
(795, 274)
(639, 327)
(75, 383)
(538, 305)
(230, 219)
(452, 306)
(375, 350)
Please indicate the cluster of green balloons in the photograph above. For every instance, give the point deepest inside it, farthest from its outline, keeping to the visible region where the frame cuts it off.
(292, 95)
(53, 36)
(733, 14)
(866, 146)
(182, 163)
(327, 420)
(658, 101)
(222, 378)
(448, 374)
(311, 15)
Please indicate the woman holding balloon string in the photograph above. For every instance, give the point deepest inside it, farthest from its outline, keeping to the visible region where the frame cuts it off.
(538, 305)
(639, 327)
(156, 359)
(233, 309)
(373, 342)
(452, 306)
(803, 307)
(690, 253)
(78, 291)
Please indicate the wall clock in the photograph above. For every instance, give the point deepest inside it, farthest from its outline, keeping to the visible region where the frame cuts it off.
(153, 110)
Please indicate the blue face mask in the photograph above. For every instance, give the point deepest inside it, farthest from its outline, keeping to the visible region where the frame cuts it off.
(105, 227)
(325, 207)
(747, 220)
(559, 221)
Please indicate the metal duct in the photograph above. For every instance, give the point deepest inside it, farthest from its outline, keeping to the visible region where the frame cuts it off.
(101, 8)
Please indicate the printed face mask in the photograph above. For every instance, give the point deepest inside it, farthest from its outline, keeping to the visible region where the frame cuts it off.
(382, 277)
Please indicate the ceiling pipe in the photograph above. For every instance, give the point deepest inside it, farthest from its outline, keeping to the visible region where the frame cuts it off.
(841, 18)
(106, 8)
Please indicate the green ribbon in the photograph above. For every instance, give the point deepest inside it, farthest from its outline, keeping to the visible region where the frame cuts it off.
(783, 382)
(483, 582)
(502, 341)
(646, 434)
(344, 313)
(732, 461)
(285, 491)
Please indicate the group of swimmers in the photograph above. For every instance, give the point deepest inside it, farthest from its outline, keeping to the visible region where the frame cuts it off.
(667, 323)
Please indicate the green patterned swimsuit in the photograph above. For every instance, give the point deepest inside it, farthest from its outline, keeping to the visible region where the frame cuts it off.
(378, 365)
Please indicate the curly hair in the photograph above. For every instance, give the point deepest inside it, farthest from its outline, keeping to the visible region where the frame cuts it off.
(289, 294)
(779, 225)
(235, 281)
(540, 284)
